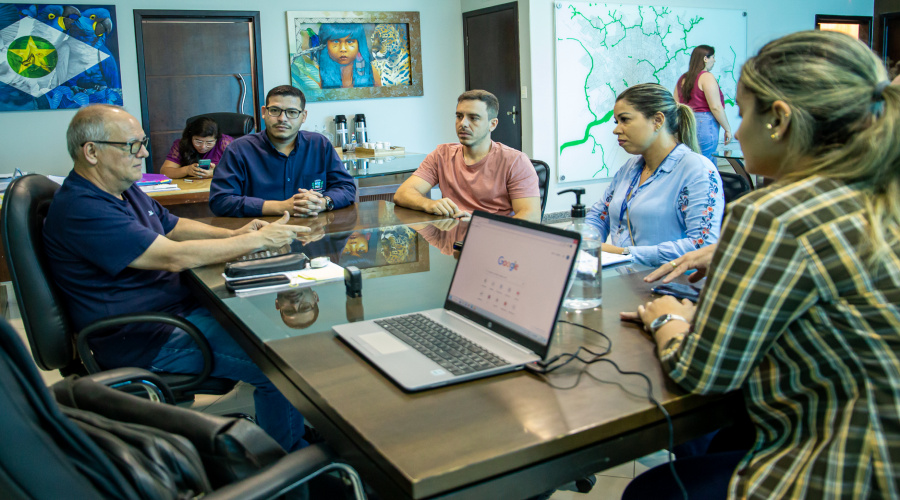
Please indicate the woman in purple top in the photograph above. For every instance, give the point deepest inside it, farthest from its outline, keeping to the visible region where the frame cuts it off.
(699, 89)
(201, 140)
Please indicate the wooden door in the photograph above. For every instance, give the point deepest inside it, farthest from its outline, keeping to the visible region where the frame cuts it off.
(491, 38)
(193, 62)
(887, 19)
(891, 45)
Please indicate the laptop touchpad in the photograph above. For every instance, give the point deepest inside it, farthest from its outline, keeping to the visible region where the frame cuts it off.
(384, 343)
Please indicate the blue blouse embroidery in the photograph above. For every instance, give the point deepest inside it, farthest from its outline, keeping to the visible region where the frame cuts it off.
(678, 209)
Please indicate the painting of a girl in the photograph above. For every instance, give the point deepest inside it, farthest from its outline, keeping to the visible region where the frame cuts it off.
(347, 60)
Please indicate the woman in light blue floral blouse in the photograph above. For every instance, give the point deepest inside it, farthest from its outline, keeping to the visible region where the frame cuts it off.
(667, 201)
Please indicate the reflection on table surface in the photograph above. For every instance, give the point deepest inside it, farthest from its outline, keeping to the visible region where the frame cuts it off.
(360, 167)
(406, 266)
(731, 150)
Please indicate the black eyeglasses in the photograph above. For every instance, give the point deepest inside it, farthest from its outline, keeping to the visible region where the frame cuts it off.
(133, 146)
(291, 113)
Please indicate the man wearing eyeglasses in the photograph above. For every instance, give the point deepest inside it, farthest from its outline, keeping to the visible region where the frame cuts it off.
(281, 168)
(114, 250)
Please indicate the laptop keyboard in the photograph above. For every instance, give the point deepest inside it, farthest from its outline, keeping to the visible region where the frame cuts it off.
(453, 352)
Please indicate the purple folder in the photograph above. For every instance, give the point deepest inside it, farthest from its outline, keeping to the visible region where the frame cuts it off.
(151, 179)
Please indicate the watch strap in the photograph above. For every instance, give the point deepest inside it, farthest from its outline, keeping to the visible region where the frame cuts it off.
(662, 320)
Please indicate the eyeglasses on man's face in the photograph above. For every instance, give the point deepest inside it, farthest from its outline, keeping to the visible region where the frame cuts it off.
(292, 113)
(134, 147)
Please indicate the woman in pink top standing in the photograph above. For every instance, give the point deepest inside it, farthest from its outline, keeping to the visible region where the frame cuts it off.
(699, 89)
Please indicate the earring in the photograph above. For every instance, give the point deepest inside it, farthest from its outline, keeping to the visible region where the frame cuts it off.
(769, 126)
(776, 136)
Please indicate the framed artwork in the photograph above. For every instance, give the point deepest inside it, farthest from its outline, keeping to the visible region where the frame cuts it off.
(55, 56)
(355, 55)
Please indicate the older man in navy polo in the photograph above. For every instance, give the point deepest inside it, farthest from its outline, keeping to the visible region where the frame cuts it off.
(114, 250)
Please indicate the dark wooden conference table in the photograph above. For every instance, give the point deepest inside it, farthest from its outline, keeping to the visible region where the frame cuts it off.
(508, 436)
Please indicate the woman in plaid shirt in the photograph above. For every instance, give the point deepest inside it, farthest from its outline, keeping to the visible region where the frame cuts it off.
(801, 308)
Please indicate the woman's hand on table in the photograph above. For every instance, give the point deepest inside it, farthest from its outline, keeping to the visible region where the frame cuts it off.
(697, 260)
(666, 304)
(194, 170)
(606, 247)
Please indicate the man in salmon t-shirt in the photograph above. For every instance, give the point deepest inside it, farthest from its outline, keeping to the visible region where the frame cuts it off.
(477, 173)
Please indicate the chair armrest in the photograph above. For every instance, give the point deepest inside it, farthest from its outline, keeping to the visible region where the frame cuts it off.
(132, 381)
(287, 473)
(87, 357)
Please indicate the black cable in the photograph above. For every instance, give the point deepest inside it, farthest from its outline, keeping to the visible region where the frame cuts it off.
(544, 368)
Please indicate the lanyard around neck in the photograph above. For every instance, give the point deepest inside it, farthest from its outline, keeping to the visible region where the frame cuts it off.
(632, 190)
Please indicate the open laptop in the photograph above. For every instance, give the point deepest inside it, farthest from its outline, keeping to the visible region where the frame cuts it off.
(503, 301)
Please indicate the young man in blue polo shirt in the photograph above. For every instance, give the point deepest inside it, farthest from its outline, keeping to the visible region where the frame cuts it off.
(281, 168)
(114, 250)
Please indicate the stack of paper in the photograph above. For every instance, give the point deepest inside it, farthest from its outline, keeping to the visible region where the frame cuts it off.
(609, 259)
(153, 188)
(299, 279)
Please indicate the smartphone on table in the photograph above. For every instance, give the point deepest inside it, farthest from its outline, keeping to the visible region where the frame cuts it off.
(678, 291)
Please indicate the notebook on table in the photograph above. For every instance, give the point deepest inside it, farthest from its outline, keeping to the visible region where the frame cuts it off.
(499, 314)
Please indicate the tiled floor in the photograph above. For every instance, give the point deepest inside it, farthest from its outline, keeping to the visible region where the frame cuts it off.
(610, 483)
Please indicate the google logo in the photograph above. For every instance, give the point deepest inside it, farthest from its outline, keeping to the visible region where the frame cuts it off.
(505, 263)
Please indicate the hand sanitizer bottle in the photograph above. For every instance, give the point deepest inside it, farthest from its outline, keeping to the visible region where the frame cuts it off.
(585, 285)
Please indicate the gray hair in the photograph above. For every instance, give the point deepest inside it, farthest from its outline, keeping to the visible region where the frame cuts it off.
(88, 124)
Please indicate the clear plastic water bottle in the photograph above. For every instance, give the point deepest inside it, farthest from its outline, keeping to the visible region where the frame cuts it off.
(585, 284)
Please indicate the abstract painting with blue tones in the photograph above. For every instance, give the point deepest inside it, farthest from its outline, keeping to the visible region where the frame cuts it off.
(55, 56)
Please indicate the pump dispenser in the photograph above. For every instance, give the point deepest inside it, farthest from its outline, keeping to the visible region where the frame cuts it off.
(585, 283)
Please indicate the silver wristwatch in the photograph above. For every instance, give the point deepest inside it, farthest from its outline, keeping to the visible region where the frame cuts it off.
(662, 320)
(626, 251)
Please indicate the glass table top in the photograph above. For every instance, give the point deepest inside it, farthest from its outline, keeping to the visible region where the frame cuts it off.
(361, 167)
(405, 268)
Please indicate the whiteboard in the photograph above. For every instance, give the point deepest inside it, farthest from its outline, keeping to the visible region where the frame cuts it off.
(602, 49)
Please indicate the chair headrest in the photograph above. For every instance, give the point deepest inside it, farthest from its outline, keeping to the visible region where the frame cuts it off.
(233, 124)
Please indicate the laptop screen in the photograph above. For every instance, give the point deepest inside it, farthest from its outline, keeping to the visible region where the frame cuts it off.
(514, 275)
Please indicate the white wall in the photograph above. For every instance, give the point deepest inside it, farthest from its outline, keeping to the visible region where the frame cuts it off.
(766, 20)
(35, 141)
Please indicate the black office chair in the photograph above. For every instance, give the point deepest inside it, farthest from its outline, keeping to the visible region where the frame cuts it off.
(47, 325)
(543, 173)
(734, 186)
(233, 124)
(96, 442)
